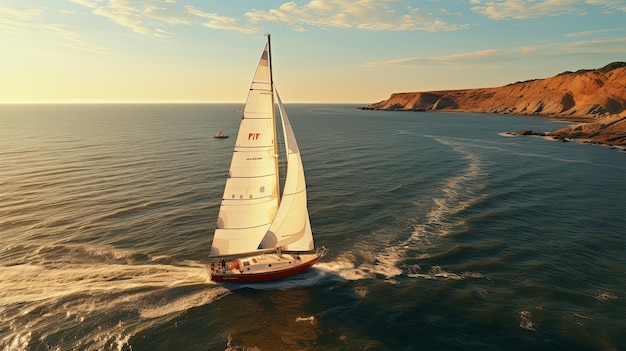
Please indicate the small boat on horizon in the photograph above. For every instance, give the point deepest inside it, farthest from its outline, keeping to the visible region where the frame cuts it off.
(263, 233)
(220, 134)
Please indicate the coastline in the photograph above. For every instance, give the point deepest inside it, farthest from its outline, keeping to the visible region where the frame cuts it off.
(593, 101)
(609, 131)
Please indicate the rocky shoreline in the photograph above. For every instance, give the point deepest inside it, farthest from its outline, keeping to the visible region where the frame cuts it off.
(594, 98)
(599, 133)
(608, 131)
(611, 131)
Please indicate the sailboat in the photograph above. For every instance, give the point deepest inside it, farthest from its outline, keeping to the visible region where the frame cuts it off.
(220, 134)
(262, 233)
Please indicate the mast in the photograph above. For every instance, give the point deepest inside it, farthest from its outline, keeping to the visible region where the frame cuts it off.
(276, 155)
(269, 50)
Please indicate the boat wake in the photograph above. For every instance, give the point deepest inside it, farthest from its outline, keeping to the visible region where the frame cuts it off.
(442, 208)
(442, 218)
(345, 268)
(456, 194)
(82, 305)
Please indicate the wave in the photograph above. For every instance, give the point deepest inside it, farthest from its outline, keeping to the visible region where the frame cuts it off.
(79, 305)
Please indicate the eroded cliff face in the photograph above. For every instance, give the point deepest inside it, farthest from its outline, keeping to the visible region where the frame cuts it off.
(578, 95)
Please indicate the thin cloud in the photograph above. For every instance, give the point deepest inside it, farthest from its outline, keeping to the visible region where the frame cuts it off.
(29, 19)
(18, 19)
(62, 31)
(609, 6)
(466, 58)
(88, 47)
(592, 32)
(520, 9)
(145, 17)
(373, 15)
(142, 18)
(167, 15)
(490, 56)
(124, 14)
(72, 38)
(217, 21)
(86, 3)
(596, 46)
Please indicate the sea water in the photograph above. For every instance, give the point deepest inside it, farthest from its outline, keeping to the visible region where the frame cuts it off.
(444, 233)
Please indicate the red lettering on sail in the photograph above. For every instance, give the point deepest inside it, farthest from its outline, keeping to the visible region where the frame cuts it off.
(253, 136)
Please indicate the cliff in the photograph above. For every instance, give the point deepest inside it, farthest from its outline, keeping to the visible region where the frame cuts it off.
(585, 95)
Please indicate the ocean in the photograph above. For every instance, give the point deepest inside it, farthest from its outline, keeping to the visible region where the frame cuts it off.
(444, 233)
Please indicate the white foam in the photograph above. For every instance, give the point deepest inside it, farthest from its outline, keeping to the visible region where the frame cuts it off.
(346, 270)
(49, 283)
(310, 319)
(230, 347)
(361, 291)
(436, 272)
(605, 296)
(457, 194)
(104, 288)
(184, 303)
(387, 261)
(525, 321)
(17, 342)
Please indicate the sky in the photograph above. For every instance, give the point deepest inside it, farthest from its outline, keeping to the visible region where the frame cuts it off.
(324, 51)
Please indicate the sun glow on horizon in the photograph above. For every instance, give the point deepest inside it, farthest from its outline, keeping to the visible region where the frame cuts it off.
(84, 51)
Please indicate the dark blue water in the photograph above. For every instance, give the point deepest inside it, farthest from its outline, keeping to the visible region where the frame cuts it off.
(444, 233)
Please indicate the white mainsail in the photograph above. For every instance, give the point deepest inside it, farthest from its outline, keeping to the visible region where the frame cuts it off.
(250, 217)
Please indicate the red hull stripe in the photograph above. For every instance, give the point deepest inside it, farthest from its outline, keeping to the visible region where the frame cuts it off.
(262, 277)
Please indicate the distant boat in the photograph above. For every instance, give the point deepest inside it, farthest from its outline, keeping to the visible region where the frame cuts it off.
(220, 134)
(263, 234)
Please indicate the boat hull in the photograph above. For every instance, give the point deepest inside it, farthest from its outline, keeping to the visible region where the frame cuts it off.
(236, 275)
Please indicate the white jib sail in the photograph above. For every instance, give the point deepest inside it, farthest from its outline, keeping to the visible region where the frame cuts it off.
(250, 199)
(291, 228)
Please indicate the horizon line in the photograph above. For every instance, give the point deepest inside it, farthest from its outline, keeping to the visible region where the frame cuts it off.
(125, 102)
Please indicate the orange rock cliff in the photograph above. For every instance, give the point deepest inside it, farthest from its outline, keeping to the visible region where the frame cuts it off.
(593, 96)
